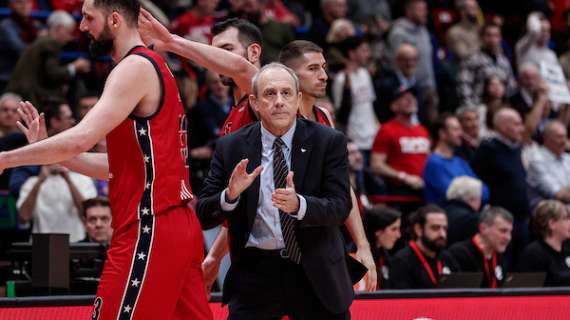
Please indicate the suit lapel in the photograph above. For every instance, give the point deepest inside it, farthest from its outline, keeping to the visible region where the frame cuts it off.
(253, 153)
(300, 153)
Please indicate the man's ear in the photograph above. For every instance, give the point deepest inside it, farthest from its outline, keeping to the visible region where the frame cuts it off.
(254, 53)
(418, 230)
(114, 20)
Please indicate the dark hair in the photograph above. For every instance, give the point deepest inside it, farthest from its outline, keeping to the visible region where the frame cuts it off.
(408, 3)
(52, 109)
(248, 33)
(490, 214)
(440, 123)
(351, 43)
(420, 216)
(296, 49)
(130, 9)
(94, 202)
(488, 26)
(379, 218)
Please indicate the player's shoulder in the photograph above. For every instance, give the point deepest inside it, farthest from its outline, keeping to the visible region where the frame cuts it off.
(134, 63)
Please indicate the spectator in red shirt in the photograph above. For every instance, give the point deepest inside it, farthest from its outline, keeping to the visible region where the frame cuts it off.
(71, 6)
(197, 23)
(401, 149)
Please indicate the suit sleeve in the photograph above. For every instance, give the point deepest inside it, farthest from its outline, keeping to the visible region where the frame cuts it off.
(333, 205)
(209, 207)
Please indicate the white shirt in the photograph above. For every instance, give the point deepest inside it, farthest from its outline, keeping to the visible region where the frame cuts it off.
(362, 123)
(266, 231)
(55, 211)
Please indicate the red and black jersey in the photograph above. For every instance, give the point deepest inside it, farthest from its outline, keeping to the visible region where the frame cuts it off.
(321, 116)
(148, 156)
(240, 116)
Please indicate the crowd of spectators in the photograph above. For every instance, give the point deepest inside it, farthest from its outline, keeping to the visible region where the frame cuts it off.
(457, 113)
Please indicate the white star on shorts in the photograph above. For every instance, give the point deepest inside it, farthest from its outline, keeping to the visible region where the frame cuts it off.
(146, 229)
(127, 308)
(142, 132)
(135, 283)
(141, 255)
(145, 211)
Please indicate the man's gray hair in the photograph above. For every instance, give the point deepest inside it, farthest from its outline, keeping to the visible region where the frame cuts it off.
(528, 67)
(465, 188)
(271, 66)
(490, 214)
(9, 96)
(60, 18)
(460, 113)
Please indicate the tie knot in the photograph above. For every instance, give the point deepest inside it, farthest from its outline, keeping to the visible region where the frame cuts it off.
(278, 143)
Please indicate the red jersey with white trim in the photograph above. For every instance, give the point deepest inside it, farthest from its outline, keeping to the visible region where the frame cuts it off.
(321, 116)
(148, 157)
(240, 116)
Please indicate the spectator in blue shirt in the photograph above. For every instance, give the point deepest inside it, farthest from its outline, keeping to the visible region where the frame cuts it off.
(443, 165)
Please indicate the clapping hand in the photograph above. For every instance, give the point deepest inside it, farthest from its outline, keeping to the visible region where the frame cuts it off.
(241, 180)
(35, 128)
(285, 199)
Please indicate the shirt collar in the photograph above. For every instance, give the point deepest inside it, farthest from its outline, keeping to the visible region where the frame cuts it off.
(267, 138)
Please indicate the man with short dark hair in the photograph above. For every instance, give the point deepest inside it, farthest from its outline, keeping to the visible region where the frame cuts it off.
(443, 165)
(418, 265)
(97, 220)
(146, 163)
(401, 148)
(307, 60)
(484, 252)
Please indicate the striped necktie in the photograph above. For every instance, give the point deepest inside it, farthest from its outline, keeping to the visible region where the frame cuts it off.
(280, 171)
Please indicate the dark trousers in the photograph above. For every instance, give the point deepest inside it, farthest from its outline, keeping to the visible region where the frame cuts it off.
(266, 286)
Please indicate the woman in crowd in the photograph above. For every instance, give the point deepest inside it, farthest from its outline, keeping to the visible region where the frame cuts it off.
(551, 253)
(383, 230)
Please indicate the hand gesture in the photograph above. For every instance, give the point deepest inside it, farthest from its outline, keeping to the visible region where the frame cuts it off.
(365, 257)
(35, 128)
(153, 32)
(285, 199)
(241, 180)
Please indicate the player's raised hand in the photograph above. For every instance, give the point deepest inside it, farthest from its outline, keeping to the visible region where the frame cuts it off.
(153, 32)
(35, 123)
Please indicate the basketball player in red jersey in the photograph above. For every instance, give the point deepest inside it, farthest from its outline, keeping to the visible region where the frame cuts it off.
(153, 267)
(235, 54)
(231, 35)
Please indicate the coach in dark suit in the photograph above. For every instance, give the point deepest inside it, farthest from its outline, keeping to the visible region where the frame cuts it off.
(282, 183)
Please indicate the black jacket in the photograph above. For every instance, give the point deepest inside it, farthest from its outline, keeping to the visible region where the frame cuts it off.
(319, 161)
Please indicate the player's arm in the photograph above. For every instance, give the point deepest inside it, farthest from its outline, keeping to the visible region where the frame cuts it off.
(95, 165)
(215, 59)
(356, 229)
(126, 86)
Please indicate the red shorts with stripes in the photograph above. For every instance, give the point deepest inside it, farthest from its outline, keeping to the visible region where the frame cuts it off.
(153, 270)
